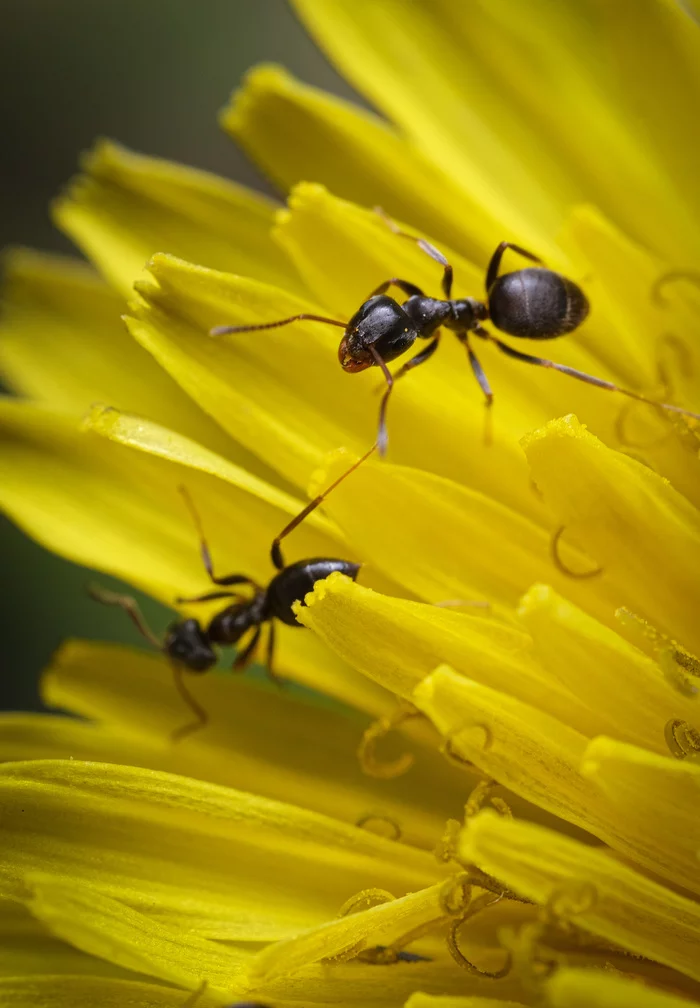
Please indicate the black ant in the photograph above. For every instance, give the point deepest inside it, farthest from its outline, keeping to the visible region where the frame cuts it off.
(531, 303)
(191, 647)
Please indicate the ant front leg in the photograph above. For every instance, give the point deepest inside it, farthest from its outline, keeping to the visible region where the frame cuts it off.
(230, 579)
(424, 246)
(480, 376)
(495, 263)
(420, 358)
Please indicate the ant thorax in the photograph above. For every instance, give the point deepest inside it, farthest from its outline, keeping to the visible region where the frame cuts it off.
(228, 626)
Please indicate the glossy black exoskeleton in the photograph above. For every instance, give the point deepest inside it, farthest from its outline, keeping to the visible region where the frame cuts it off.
(191, 647)
(531, 303)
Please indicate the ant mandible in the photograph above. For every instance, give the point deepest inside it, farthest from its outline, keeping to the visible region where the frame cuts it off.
(191, 647)
(530, 303)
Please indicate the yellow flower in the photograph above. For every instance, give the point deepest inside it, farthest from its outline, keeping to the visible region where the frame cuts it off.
(259, 855)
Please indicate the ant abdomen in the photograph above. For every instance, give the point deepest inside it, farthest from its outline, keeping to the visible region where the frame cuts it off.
(291, 584)
(536, 303)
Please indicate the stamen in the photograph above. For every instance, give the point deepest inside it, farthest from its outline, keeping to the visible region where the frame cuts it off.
(569, 900)
(559, 563)
(682, 739)
(456, 893)
(365, 899)
(691, 276)
(195, 996)
(446, 847)
(450, 753)
(379, 729)
(481, 795)
(372, 817)
(683, 365)
(481, 903)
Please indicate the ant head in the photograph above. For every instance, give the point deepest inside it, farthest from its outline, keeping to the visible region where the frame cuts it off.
(380, 323)
(188, 645)
(228, 626)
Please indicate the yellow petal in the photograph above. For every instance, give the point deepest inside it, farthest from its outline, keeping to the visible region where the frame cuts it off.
(547, 762)
(627, 909)
(62, 343)
(482, 71)
(386, 922)
(445, 541)
(428, 102)
(520, 746)
(436, 1001)
(27, 947)
(585, 988)
(623, 687)
(81, 991)
(654, 797)
(107, 929)
(401, 642)
(210, 860)
(305, 754)
(297, 132)
(126, 207)
(244, 379)
(643, 533)
(111, 507)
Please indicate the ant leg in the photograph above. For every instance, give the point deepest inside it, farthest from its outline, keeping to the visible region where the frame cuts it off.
(245, 657)
(420, 358)
(230, 579)
(495, 263)
(201, 716)
(275, 550)
(483, 381)
(130, 607)
(426, 247)
(382, 436)
(408, 288)
(270, 656)
(227, 330)
(582, 375)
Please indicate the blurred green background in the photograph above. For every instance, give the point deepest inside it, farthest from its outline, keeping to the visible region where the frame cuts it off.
(153, 76)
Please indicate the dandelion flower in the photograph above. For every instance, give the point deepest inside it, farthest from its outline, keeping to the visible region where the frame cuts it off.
(530, 835)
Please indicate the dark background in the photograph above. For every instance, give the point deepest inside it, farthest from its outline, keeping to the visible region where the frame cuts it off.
(152, 75)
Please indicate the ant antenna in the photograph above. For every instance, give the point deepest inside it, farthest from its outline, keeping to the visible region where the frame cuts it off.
(275, 551)
(227, 330)
(561, 566)
(201, 716)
